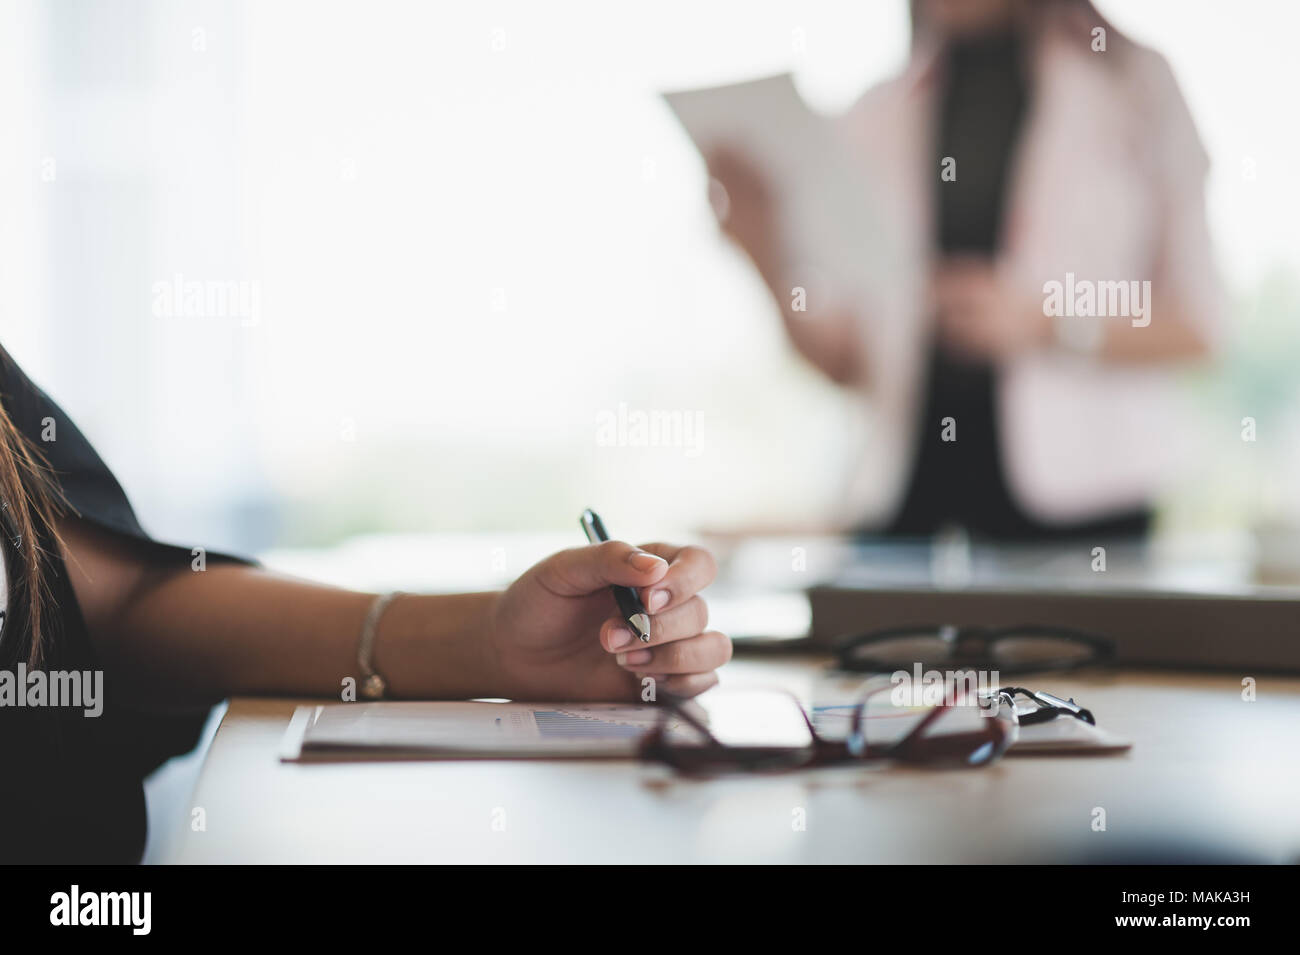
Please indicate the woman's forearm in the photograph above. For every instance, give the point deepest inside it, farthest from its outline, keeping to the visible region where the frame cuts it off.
(169, 635)
(180, 635)
(241, 630)
(827, 341)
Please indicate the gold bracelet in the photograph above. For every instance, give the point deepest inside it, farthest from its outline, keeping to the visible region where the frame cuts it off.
(373, 685)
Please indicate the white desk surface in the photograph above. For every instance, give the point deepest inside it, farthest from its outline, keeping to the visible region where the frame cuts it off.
(1210, 777)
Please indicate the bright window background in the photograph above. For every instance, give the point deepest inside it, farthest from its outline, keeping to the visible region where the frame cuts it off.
(473, 228)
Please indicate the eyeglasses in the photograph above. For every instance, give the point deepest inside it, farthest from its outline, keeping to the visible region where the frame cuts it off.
(1024, 648)
(772, 732)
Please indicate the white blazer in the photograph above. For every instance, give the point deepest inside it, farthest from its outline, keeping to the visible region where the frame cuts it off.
(1108, 183)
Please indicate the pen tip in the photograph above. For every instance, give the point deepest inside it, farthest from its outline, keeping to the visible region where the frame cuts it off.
(641, 623)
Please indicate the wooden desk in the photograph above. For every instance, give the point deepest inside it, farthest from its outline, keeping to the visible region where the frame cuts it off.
(1210, 778)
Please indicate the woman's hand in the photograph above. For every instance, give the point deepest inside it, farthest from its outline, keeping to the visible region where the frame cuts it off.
(744, 207)
(982, 315)
(555, 634)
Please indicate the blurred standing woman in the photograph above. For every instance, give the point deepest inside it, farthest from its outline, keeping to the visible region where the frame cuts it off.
(1026, 143)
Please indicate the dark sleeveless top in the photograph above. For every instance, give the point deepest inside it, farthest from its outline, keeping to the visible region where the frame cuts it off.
(73, 788)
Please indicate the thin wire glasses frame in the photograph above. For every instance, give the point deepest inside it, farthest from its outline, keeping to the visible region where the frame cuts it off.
(918, 746)
(1057, 649)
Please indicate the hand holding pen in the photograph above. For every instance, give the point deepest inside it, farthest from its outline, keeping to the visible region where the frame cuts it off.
(669, 614)
(556, 633)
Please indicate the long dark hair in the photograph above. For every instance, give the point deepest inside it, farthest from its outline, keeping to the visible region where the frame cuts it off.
(31, 502)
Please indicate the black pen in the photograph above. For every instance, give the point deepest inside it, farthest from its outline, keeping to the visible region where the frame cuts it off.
(629, 604)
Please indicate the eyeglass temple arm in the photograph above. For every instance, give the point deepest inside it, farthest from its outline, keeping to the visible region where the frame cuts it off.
(1052, 702)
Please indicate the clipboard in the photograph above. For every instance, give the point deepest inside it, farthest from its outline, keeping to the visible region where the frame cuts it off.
(350, 732)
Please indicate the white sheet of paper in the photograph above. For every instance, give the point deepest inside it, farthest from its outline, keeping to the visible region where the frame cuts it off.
(1065, 735)
(830, 229)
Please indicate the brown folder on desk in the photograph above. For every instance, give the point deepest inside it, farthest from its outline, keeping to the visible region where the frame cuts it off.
(1258, 631)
